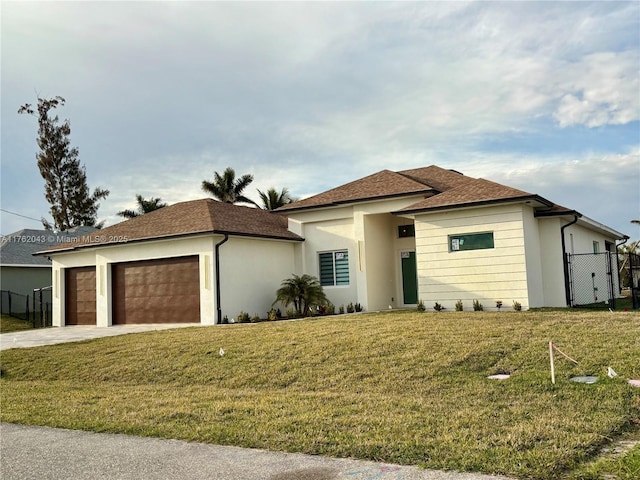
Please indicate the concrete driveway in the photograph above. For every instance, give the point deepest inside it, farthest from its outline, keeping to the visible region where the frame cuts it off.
(53, 335)
(50, 453)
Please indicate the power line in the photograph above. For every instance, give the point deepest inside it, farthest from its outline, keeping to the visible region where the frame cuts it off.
(19, 215)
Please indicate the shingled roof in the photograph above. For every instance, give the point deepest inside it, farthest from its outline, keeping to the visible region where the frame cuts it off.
(185, 219)
(440, 188)
(477, 191)
(381, 185)
(18, 248)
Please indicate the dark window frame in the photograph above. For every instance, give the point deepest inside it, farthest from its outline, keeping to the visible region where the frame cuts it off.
(471, 241)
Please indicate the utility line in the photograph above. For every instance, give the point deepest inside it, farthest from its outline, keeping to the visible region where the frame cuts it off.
(19, 215)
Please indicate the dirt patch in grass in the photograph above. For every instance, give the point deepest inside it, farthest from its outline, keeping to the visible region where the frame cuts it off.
(396, 387)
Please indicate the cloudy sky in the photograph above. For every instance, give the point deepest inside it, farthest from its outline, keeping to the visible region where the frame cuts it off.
(544, 97)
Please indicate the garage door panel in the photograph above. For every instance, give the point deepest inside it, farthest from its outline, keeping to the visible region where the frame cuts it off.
(157, 291)
(80, 296)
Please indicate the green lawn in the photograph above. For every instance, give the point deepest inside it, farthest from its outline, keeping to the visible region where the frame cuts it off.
(398, 387)
(11, 324)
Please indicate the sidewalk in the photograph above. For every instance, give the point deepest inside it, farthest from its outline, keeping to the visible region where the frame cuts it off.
(49, 453)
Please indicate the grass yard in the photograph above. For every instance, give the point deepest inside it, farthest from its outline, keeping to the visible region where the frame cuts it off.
(402, 387)
(11, 324)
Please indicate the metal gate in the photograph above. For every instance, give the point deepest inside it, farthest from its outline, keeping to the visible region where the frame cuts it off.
(634, 278)
(593, 279)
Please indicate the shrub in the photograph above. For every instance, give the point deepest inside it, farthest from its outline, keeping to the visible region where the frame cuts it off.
(477, 306)
(350, 308)
(420, 307)
(243, 317)
(255, 318)
(517, 306)
(331, 309)
(358, 307)
(459, 306)
(341, 309)
(272, 315)
(291, 313)
(437, 307)
(304, 292)
(225, 320)
(498, 304)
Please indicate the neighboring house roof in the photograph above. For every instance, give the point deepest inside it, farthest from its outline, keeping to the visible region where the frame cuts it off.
(18, 248)
(189, 218)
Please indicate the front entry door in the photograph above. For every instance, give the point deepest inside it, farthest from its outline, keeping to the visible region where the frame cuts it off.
(409, 278)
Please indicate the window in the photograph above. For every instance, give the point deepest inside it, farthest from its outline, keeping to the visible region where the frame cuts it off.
(334, 268)
(471, 241)
(406, 231)
(596, 247)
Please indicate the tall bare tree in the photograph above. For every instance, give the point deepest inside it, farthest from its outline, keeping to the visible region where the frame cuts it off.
(65, 178)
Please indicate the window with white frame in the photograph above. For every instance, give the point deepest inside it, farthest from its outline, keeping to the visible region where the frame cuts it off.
(334, 268)
(596, 246)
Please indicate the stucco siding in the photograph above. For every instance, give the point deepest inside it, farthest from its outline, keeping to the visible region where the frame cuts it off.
(251, 271)
(552, 261)
(487, 275)
(533, 258)
(379, 261)
(582, 239)
(327, 236)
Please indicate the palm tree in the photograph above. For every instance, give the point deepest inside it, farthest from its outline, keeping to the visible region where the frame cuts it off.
(144, 206)
(305, 292)
(226, 188)
(272, 199)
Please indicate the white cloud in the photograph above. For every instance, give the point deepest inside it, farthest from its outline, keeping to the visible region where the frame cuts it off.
(603, 89)
(313, 95)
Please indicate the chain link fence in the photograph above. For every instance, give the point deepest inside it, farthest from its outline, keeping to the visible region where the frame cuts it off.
(594, 280)
(14, 305)
(36, 310)
(604, 280)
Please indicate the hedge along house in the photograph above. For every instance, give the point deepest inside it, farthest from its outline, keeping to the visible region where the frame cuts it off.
(191, 262)
(393, 238)
(386, 240)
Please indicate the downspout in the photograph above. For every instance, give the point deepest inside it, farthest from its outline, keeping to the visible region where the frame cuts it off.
(217, 250)
(565, 262)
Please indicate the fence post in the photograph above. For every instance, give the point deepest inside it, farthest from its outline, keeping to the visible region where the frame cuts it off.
(612, 296)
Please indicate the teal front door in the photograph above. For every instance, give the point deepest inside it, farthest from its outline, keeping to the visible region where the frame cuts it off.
(409, 277)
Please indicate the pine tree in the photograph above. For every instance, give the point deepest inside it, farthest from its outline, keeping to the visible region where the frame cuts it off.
(65, 178)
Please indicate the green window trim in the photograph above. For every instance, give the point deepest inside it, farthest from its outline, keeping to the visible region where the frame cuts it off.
(471, 241)
(334, 268)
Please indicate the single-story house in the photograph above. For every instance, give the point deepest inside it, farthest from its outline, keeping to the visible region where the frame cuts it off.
(387, 240)
(20, 271)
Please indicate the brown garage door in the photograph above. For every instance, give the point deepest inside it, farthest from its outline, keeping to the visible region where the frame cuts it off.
(156, 291)
(80, 296)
